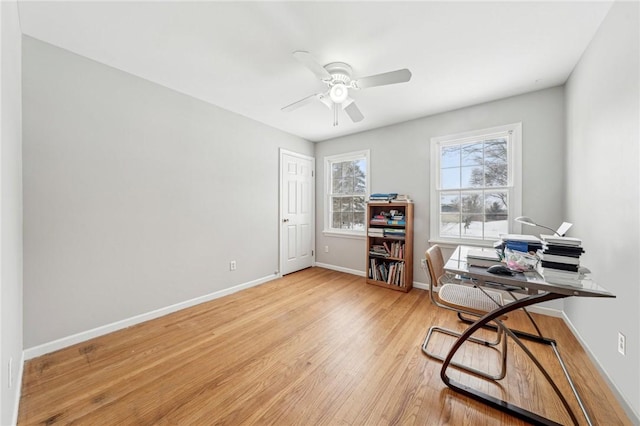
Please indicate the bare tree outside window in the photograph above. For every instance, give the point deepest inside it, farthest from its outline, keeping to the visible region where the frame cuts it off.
(474, 197)
(348, 194)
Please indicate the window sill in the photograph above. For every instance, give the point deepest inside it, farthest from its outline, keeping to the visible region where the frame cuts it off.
(344, 234)
(453, 244)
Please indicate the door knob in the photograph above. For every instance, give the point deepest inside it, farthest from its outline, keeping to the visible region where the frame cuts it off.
(285, 220)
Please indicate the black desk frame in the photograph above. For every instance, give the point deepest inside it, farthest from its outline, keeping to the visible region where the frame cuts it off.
(537, 292)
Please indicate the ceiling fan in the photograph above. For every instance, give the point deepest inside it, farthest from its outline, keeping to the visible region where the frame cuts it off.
(337, 77)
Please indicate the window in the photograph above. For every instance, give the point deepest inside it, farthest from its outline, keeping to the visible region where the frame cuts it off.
(347, 189)
(475, 184)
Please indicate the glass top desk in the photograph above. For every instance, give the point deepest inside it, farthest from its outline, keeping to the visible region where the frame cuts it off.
(535, 290)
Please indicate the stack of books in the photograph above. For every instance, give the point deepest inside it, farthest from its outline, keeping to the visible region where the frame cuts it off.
(385, 218)
(393, 232)
(378, 219)
(397, 219)
(379, 251)
(560, 260)
(383, 197)
(376, 232)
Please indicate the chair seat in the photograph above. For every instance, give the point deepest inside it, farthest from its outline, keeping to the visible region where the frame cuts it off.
(472, 298)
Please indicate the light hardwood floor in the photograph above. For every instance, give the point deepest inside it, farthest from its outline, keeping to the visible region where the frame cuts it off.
(315, 347)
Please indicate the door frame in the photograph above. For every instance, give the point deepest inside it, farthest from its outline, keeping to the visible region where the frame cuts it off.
(281, 206)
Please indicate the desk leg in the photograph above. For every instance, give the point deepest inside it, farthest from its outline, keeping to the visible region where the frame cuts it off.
(488, 399)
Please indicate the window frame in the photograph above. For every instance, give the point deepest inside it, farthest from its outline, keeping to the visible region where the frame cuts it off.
(328, 162)
(514, 185)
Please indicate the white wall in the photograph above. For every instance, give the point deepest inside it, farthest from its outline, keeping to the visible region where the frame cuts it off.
(10, 212)
(136, 197)
(400, 163)
(602, 163)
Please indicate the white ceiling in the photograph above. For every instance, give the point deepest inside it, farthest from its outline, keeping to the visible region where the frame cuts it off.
(237, 55)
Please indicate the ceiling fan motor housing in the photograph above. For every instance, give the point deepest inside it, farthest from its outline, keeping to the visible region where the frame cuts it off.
(340, 73)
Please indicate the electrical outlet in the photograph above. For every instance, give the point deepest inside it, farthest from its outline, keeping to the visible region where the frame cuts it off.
(622, 344)
(423, 262)
(326, 249)
(232, 265)
(10, 375)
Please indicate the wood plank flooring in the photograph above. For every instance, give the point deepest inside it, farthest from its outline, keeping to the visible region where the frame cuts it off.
(315, 347)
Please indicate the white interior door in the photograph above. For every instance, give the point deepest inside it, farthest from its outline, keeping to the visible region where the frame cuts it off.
(297, 225)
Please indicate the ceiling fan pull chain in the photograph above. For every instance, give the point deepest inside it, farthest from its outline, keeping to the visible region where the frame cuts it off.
(335, 115)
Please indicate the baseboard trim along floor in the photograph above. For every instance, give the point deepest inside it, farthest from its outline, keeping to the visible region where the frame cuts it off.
(64, 342)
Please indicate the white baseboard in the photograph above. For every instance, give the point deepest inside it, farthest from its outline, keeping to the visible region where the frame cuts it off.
(416, 284)
(626, 406)
(421, 286)
(340, 269)
(543, 310)
(83, 336)
(537, 309)
(17, 391)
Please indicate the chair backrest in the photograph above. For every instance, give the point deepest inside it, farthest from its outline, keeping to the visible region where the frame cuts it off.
(435, 262)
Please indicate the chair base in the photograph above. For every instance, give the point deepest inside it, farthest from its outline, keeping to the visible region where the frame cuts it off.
(500, 340)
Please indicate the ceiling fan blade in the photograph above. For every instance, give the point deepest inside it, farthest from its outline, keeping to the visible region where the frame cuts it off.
(392, 77)
(301, 102)
(326, 99)
(310, 62)
(353, 112)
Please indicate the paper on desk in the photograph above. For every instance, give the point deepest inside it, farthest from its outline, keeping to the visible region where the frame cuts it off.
(562, 229)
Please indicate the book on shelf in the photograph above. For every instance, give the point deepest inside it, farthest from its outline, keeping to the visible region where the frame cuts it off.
(379, 250)
(391, 273)
(375, 232)
(386, 247)
(395, 249)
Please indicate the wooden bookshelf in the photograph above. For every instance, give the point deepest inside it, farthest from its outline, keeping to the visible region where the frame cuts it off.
(390, 245)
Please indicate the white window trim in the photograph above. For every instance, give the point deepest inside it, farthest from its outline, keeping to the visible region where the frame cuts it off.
(515, 174)
(346, 233)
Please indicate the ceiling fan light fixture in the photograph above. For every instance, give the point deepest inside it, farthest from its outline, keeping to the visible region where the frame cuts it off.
(339, 93)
